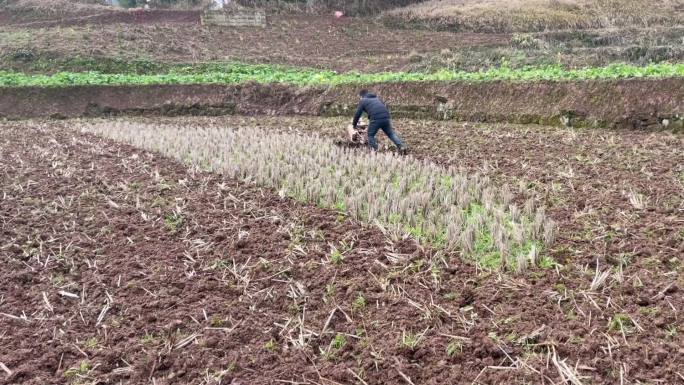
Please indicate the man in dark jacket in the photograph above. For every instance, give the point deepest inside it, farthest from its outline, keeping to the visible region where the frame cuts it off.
(379, 118)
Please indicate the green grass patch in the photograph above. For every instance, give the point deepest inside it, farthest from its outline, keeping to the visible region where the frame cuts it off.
(240, 73)
(621, 323)
(174, 222)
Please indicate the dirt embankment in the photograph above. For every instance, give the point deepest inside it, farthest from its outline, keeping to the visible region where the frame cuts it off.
(633, 103)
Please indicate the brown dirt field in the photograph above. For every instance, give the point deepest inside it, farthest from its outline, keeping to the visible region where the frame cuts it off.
(239, 290)
(154, 16)
(18, 11)
(311, 41)
(361, 44)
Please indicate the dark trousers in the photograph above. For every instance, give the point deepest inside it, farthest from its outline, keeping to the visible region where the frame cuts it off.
(386, 126)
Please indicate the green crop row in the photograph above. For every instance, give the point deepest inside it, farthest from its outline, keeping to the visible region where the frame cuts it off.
(240, 73)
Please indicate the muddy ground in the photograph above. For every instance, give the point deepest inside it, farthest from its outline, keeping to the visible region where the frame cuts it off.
(125, 267)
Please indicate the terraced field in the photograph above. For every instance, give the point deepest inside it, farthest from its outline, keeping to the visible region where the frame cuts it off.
(254, 245)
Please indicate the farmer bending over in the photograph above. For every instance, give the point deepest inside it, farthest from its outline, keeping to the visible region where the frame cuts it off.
(379, 118)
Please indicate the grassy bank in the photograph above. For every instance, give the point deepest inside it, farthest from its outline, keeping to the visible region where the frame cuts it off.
(240, 73)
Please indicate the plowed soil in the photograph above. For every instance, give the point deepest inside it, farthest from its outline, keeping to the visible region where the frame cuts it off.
(124, 267)
(156, 16)
(312, 41)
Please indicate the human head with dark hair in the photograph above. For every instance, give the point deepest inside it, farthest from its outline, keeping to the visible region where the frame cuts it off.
(363, 93)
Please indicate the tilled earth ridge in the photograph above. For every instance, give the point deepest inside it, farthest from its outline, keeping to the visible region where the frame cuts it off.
(122, 266)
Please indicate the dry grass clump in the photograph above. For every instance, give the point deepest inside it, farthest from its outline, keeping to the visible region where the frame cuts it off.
(539, 15)
(437, 205)
(45, 8)
(356, 7)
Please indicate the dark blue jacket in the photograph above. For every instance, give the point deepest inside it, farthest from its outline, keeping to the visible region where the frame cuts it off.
(375, 109)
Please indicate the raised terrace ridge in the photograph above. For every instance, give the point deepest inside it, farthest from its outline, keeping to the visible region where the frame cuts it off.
(622, 103)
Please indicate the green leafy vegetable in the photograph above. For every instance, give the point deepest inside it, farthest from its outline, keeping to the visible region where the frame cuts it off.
(240, 73)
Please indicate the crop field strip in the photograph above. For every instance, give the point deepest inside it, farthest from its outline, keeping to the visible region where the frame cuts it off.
(154, 270)
(442, 207)
(559, 164)
(240, 73)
